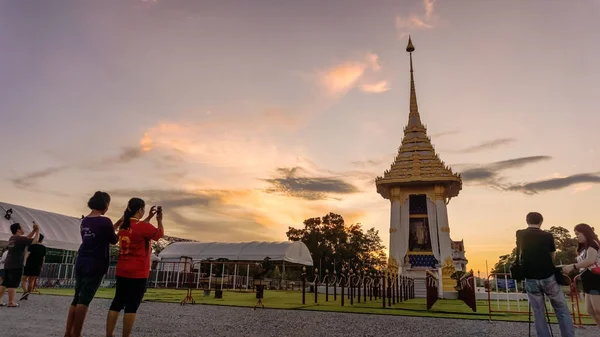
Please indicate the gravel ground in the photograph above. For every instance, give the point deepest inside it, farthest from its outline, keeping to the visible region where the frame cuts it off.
(45, 316)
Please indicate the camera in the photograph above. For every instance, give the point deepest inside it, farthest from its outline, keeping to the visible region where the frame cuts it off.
(159, 209)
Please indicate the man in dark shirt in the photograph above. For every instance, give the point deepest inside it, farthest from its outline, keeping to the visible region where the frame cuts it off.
(33, 266)
(13, 266)
(536, 254)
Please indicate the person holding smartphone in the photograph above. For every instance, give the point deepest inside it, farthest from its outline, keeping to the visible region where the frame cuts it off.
(135, 238)
(13, 265)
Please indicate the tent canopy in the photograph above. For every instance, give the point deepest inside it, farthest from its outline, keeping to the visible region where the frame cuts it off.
(293, 252)
(60, 231)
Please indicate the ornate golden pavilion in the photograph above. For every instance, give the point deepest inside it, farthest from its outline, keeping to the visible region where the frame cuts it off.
(419, 186)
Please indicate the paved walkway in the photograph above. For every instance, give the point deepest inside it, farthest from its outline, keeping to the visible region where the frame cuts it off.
(45, 316)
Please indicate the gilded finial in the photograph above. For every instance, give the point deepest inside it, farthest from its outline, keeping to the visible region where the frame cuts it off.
(410, 48)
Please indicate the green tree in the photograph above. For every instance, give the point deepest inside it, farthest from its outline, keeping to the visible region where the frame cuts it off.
(566, 246)
(334, 244)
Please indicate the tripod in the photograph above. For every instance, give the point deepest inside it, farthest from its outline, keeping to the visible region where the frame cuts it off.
(260, 291)
(547, 317)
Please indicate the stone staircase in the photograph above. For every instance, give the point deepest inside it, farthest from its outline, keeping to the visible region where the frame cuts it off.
(420, 289)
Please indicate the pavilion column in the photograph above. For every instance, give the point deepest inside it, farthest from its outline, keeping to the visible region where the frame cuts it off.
(444, 231)
(399, 229)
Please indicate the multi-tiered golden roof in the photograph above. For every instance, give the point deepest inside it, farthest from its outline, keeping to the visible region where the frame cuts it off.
(416, 162)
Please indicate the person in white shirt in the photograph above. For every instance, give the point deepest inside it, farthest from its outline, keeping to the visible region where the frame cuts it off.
(2, 264)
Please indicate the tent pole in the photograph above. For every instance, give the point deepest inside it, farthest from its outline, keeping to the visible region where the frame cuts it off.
(247, 276)
(222, 276)
(282, 275)
(210, 276)
(198, 275)
(157, 272)
(234, 276)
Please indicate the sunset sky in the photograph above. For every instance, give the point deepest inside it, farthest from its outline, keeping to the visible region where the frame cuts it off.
(245, 117)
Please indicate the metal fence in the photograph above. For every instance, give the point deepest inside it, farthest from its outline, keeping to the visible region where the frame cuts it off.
(169, 275)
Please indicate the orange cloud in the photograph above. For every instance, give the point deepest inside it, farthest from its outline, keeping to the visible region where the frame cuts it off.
(429, 8)
(146, 142)
(406, 24)
(343, 77)
(339, 79)
(375, 88)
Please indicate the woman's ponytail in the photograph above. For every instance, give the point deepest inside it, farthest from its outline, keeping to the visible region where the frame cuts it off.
(133, 206)
(126, 219)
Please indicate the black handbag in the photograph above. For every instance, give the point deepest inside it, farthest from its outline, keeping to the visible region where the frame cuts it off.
(517, 272)
(560, 277)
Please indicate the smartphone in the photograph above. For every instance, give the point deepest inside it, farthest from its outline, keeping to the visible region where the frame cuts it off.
(159, 209)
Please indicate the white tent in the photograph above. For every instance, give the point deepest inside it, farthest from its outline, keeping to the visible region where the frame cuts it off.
(60, 231)
(293, 252)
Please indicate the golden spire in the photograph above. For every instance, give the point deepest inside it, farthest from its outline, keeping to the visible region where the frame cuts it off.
(417, 163)
(414, 119)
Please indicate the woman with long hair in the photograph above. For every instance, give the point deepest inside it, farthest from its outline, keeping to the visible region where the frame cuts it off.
(135, 236)
(588, 248)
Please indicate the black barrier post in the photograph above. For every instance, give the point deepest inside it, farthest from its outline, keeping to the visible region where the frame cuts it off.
(389, 292)
(371, 287)
(393, 292)
(342, 285)
(351, 284)
(316, 284)
(397, 284)
(382, 283)
(364, 287)
(334, 286)
(400, 282)
(303, 285)
(358, 285)
(326, 285)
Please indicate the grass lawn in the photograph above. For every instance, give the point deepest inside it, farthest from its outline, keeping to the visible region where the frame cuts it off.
(293, 300)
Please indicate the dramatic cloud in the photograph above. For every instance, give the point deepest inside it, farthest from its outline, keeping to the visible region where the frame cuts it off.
(202, 212)
(339, 79)
(375, 88)
(489, 145)
(490, 174)
(444, 133)
(125, 155)
(243, 145)
(406, 24)
(30, 179)
(369, 162)
(290, 183)
(555, 183)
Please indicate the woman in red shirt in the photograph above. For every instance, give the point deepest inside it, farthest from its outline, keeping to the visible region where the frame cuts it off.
(132, 273)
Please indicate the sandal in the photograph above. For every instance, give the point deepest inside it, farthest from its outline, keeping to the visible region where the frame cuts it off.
(2, 304)
(13, 306)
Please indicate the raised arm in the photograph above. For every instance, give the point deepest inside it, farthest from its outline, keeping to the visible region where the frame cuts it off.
(34, 231)
(151, 214)
(161, 229)
(118, 224)
(111, 236)
(591, 257)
